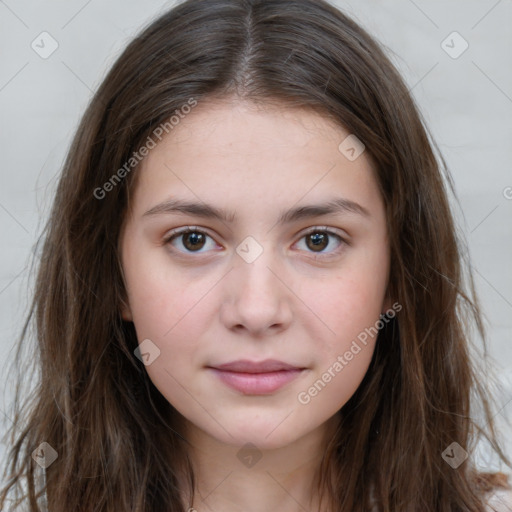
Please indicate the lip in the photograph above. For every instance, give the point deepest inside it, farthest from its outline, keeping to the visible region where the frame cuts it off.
(246, 366)
(256, 378)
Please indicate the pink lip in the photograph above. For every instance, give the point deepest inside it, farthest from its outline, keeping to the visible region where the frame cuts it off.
(252, 378)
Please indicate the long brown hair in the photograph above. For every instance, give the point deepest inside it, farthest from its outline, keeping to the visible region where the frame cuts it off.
(115, 435)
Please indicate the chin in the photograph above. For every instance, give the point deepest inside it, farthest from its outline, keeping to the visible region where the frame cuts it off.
(262, 435)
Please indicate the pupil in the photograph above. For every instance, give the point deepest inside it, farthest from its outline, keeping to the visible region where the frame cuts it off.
(193, 240)
(318, 239)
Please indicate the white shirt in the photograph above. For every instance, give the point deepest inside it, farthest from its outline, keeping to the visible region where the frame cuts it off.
(500, 500)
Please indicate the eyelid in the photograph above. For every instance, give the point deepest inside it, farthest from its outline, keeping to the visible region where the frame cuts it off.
(183, 230)
(327, 229)
(342, 235)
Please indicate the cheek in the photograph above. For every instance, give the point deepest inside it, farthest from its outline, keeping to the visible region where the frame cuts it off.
(351, 309)
(348, 304)
(163, 300)
(173, 315)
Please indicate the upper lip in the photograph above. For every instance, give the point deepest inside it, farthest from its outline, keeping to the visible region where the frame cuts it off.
(246, 366)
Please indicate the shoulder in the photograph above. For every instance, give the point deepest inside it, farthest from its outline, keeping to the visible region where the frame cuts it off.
(499, 500)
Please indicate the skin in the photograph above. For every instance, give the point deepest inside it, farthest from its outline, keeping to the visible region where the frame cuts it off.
(294, 303)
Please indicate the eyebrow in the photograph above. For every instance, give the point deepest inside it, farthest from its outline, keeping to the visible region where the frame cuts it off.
(337, 205)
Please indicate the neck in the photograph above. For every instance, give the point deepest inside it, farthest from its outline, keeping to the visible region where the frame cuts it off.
(235, 478)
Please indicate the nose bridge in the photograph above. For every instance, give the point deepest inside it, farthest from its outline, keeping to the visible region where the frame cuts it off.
(258, 298)
(255, 268)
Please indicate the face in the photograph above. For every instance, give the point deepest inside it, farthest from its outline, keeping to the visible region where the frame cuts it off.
(226, 263)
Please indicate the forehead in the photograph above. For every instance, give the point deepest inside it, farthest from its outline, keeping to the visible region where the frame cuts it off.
(236, 152)
(235, 120)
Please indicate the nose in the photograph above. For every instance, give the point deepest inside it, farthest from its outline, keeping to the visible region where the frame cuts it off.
(257, 298)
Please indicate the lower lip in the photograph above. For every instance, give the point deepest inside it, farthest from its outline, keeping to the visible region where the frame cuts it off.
(257, 383)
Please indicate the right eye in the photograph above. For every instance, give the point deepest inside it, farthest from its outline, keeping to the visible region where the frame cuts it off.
(190, 238)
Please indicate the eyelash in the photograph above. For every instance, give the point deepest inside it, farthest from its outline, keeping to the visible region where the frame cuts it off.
(315, 230)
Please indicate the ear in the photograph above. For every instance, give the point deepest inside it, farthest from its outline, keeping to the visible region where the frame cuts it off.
(388, 302)
(126, 312)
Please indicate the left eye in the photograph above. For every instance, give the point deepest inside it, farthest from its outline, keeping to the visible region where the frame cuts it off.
(193, 240)
(319, 238)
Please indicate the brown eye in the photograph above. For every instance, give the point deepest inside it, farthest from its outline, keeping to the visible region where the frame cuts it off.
(192, 240)
(318, 241)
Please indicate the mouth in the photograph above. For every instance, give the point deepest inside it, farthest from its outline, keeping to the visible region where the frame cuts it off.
(256, 378)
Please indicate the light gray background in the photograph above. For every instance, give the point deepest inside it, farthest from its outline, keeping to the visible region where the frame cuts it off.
(467, 103)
